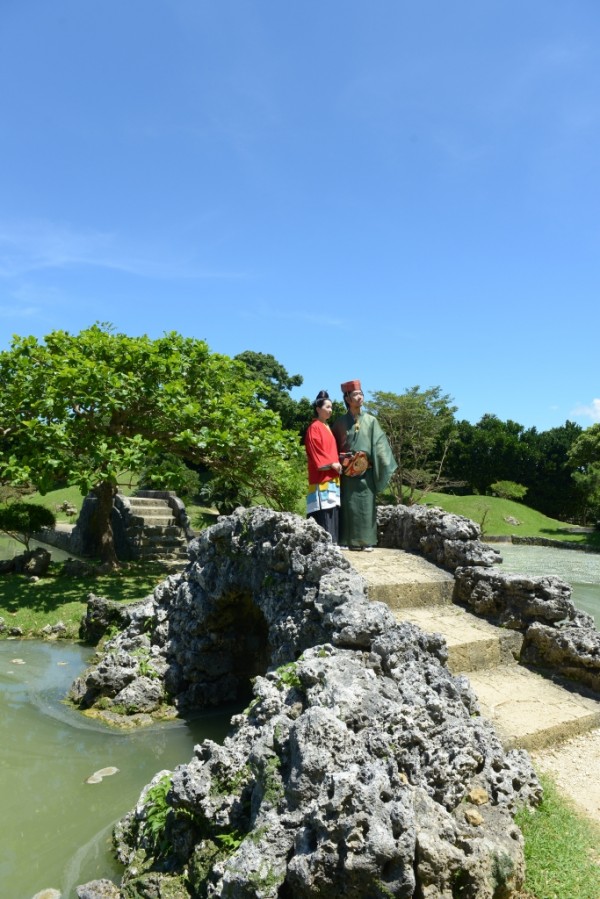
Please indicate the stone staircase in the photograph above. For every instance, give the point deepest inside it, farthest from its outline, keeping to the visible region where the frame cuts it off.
(154, 532)
(529, 711)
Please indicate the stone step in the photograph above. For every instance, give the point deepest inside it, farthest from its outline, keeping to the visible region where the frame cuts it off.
(473, 643)
(166, 520)
(158, 545)
(156, 530)
(152, 552)
(146, 539)
(151, 510)
(172, 566)
(149, 504)
(402, 580)
(529, 711)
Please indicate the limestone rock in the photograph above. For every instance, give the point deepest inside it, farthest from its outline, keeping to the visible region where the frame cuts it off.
(98, 889)
(516, 601)
(33, 563)
(361, 794)
(103, 614)
(572, 651)
(445, 539)
(348, 773)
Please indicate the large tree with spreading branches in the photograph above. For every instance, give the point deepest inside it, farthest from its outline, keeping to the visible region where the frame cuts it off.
(84, 408)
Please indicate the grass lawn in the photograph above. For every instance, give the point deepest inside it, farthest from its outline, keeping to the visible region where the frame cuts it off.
(561, 849)
(32, 605)
(491, 513)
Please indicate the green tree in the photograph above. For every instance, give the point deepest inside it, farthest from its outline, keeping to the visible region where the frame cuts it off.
(274, 390)
(585, 456)
(22, 521)
(171, 473)
(587, 483)
(274, 385)
(419, 425)
(553, 489)
(84, 408)
(492, 450)
(586, 448)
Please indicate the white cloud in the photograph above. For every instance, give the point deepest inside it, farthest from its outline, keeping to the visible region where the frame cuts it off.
(29, 246)
(18, 312)
(592, 411)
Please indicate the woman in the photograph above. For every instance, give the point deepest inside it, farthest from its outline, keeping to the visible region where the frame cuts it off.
(323, 498)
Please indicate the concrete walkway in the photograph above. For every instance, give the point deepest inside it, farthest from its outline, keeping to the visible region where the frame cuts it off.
(528, 710)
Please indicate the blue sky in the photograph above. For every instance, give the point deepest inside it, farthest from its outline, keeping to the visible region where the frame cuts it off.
(405, 193)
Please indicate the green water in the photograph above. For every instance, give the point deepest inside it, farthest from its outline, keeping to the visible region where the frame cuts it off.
(10, 548)
(579, 569)
(55, 829)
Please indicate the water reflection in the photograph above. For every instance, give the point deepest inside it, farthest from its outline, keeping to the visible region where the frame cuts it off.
(56, 828)
(579, 569)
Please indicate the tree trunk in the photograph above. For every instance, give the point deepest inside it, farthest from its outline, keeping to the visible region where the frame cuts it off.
(105, 494)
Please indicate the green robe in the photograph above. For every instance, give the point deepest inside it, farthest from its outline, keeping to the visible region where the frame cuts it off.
(358, 525)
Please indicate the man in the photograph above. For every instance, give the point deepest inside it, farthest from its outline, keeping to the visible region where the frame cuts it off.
(368, 465)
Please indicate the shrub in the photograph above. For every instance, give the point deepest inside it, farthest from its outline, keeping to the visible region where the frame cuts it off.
(508, 490)
(22, 520)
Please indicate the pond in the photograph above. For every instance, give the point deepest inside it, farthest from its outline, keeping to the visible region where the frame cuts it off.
(579, 569)
(10, 547)
(56, 827)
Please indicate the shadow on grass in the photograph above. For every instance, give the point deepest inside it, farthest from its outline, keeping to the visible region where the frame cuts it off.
(51, 593)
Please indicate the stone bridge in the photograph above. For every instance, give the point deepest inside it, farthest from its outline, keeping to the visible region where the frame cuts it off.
(363, 765)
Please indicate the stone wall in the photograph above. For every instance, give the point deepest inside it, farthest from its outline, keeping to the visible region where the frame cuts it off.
(446, 540)
(55, 537)
(79, 541)
(558, 544)
(558, 637)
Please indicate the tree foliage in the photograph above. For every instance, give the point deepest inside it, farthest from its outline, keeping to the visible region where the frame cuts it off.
(84, 408)
(553, 489)
(274, 385)
(585, 450)
(274, 390)
(419, 425)
(171, 473)
(492, 450)
(584, 455)
(508, 490)
(22, 521)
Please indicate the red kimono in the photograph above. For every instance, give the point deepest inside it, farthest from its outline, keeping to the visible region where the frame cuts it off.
(321, 449)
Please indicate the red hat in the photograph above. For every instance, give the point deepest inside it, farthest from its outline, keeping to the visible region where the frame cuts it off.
(349, 386)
